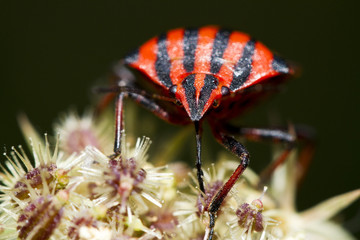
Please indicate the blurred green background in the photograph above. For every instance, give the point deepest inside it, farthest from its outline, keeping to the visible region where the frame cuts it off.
(54, 52)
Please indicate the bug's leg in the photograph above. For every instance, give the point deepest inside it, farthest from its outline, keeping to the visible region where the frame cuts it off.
(122, 77)
(277, 135)
(200, 174)
(240, 151)
(119, 122)
(143, 99)
(210, 231)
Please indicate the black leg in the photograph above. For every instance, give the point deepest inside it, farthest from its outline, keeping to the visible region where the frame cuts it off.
(278, 135)
(212, 217)
(200, 174)
(262, 134)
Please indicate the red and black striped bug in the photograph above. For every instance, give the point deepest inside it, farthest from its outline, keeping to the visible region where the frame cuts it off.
(205, 74)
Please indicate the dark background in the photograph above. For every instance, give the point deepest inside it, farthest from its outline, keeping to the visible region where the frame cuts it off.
(52, 54)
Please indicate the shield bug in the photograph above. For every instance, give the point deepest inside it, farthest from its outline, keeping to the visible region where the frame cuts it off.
(202, 74)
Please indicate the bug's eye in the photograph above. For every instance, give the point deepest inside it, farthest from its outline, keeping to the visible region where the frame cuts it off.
(172, 90)
(216, 103)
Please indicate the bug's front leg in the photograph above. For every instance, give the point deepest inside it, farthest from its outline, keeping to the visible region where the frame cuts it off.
(145, 100)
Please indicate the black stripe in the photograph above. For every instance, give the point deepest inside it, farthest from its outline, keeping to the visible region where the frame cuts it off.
(190, 44)
(162, 63)
(210, 83)
(279, 65)
(190, 93)
(220, 44)
(243, 67)
(132, 57)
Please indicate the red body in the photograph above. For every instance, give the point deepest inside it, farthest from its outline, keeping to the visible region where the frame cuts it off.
(199, 65)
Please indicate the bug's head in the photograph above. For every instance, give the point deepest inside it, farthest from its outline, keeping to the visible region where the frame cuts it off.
(197, 93)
